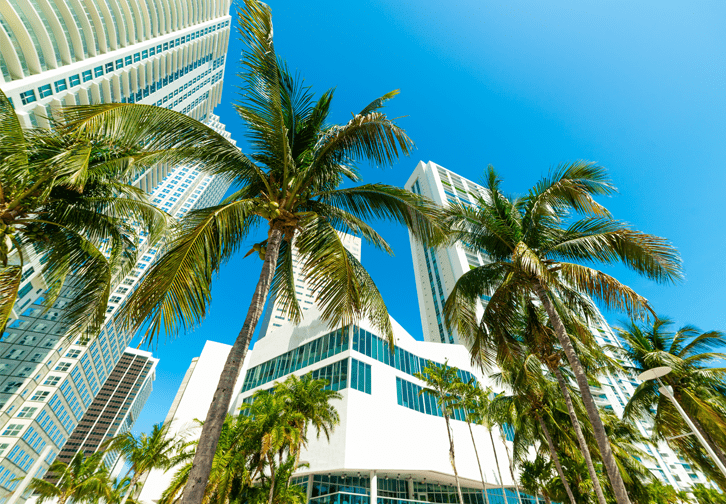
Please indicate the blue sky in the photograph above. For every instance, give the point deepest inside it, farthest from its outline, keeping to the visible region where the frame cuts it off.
(639, 87)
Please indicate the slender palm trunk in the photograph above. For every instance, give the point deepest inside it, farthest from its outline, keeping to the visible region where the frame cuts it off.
(272, 481)
(606, 452)
(130, 491)
(476, 452)
(715, 447)
(202, 465)
(547, 499)
(556, 459)
(511, 466)
(580, 436)
(452, 458)
(496, 461)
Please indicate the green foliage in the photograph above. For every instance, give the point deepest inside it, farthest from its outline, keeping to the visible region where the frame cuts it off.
(82, 480)
(68, 197)
(705, 495)
(697, 381)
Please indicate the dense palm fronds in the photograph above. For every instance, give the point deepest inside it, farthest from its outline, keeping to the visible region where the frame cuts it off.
(157, 450)
(68, 197)
(698, 382)
(82, 480)
(259, 450)
(539, 248)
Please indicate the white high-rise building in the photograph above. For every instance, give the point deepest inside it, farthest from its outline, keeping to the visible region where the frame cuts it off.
(167, 53)
(436, 272)
(274, 315)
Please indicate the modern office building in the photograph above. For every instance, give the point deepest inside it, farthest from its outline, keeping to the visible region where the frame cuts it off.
(436, 272)
(391, 444)
(116, 407)
(66, 52)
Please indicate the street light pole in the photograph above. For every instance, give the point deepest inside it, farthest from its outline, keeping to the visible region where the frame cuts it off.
(656, 374)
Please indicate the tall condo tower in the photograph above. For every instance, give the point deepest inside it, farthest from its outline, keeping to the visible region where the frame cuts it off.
(437, 270)
(116, 407)
(169, 53)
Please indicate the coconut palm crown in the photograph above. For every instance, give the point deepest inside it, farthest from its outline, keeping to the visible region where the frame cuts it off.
(698, 381)
(541, 246)
(69, 198)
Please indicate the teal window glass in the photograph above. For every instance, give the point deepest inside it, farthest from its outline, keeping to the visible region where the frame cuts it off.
(98, 71)
(87, 75)
(360, 376)
(145, 54)
(127, 60)
(152, 51)
(324, 484)
(137, 57)
(327, 345)
(44, 91)
(25, 290)
(119, 63)
(336, 375)
(60, 85)
(409, 395)
(109, 67)
(166, 45)
(28, 96)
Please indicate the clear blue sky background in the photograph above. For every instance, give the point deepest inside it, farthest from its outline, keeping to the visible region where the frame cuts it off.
(639, 87)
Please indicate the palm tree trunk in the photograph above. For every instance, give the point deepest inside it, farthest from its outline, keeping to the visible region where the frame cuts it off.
(130, 491)
(202, 465)
(272, 481)
(580, 436)
(511, 466)
(547, 499)
(556, 459)
(452, 458)
(715, 447)
(476, 452)
(606, 452)
(496, 461)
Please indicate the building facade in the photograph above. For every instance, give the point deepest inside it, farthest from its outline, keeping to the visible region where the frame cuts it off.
(116, 407)
(436, 272)
(67, 52)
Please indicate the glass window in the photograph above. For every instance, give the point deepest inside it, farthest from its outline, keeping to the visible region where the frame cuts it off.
(152, 51)
(137, 57)
(40, 396)
(119, 63)
(127, 60)
(87, 75)
(44, 91)
(26, 412)
(74, 80)
(145, 54)
(166, 45)
(98, 71)
(12, 429)
(73, 354)
(60, 85)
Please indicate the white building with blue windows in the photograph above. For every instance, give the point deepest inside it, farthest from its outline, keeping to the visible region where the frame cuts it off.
(169, 53)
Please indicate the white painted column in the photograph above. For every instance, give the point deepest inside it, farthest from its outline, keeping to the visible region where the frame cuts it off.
(29, 476)
(310, 487)
(409, 486)
(374, 488)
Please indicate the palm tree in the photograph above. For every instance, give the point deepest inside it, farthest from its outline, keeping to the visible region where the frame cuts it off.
(535, 476)
(529, 242)
(467, 399)
(528, 409)
(83, 479)
(69, 198)
(441, 384)
(308, 397)
(290, 188)
(697, 380)
(484, 418)
(157, 450)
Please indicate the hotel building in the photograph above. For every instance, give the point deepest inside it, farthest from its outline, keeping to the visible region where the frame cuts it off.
(68, 52)
(436, 272)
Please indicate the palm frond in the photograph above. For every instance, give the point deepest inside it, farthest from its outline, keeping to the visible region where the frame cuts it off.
(10, 277)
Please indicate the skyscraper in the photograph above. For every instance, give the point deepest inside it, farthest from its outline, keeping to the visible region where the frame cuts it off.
(436, 272)
(65, 52)
(116, 407)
